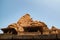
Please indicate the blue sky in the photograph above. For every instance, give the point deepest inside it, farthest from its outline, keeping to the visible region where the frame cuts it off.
(47, 11)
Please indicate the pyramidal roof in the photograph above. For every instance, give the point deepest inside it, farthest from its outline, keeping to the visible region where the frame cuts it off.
(53, 28)
(26, 20)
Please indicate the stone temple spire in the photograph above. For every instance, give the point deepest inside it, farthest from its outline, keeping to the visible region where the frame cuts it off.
(25, 20)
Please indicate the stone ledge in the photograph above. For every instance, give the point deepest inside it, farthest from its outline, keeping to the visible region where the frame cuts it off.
(10, 36)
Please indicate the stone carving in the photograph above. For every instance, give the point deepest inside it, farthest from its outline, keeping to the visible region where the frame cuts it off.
(25, 20)
(16, 27)
(54, 30)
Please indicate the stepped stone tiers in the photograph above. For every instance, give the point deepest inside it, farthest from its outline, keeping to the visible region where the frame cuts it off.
(27, 24)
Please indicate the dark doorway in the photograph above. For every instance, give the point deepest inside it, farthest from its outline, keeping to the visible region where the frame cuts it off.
(33, 29)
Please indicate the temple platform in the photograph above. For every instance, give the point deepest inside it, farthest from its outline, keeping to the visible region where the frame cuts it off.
(29, 36)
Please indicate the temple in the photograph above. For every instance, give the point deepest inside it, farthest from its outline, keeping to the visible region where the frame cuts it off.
(27, 24)
(27, 28)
